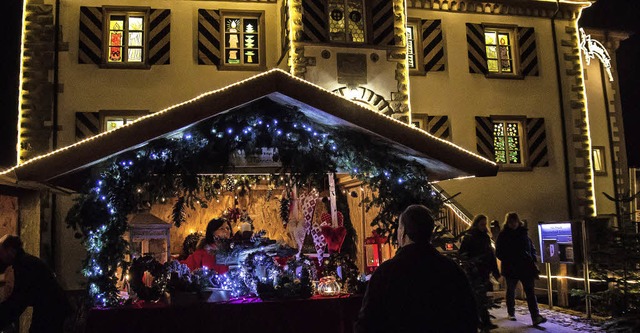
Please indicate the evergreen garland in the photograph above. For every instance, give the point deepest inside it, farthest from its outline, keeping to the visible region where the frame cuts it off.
(172, 166)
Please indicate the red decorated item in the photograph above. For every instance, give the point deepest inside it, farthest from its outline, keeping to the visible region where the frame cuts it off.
(326, 219)
(377, 250)
(333, 236)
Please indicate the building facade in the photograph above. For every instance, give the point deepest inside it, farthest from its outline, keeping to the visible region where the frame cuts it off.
(505, 79)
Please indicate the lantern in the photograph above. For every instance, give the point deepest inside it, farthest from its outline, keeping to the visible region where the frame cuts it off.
(328, 286)
(377, 250)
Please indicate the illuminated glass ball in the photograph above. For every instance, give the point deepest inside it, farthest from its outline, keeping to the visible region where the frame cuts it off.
(328, 286)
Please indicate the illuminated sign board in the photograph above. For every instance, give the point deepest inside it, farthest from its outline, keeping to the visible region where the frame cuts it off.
(556, 242)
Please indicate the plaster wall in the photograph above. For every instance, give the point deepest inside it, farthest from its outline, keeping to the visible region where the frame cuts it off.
(539, 194)
(89, 88)
(381, 75)
(596, 104)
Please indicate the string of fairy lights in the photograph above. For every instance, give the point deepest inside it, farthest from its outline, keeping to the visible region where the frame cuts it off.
(193, 165)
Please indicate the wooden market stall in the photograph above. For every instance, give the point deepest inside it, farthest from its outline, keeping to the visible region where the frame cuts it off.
(263, 151)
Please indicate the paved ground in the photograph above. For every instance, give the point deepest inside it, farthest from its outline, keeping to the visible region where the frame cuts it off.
(557, 322)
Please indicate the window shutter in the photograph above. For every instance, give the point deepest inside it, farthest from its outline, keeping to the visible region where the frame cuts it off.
(484, 137)
(382, 21)
(159, 31)
(315, 25)
(208, 37)
(433, 46)
(537, 142)
(285, 33)
(439, 126)
(476, 49)
(90, 41)
(528, 52)
(87, 124)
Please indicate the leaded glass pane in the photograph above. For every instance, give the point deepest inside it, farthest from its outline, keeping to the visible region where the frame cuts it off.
(135, 39)
(115, 54)
(501, 156)
(492, 65)
(491, 52)
(490, 38)
(135, 55)
(116, 23)
(115, 123)
(356, 21)
(336, 20)
(135, 23)
(503, 39)
(506, 66)
(115, 38)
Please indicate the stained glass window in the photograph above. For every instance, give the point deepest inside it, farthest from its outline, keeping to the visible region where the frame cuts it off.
(111, 123)
(499, 51)
(507, 144)
(242, 40)
(126, 38)
(346, 21)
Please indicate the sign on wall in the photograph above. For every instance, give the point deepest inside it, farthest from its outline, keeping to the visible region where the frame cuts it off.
(556, 242)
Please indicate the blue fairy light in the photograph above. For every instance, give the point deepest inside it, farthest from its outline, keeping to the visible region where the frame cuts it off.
(278, 132)
(333, 147)
(259, 121)
(400, 180)
(188, 136)
(275, 122)
(229, 130)
(103, 198)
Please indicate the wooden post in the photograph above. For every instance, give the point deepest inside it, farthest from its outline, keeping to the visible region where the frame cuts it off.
(332, 200)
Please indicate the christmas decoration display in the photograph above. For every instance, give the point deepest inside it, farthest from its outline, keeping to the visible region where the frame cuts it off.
(376, 251)
(147, 278)
(308, 209)
(188, 166)
(345, 270)
(333, 236)
(328, 286)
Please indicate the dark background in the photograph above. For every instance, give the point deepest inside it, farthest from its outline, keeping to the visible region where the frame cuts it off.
(623, 15)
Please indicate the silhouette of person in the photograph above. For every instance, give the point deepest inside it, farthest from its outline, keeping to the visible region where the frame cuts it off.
(35, 285)
(418, 290)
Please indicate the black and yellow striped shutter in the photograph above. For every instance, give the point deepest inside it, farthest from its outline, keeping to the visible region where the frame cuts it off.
(537, 142)
(432, 46)
(315, 21)
(382, 22)
(476, 49)
(439, 126)
(208, 37)
(87, 124)
(90, 37)
(159, 36)
(484, 137)
(528, 52)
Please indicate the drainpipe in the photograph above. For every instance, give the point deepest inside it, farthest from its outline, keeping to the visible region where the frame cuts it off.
(54, 129)
(567, 174)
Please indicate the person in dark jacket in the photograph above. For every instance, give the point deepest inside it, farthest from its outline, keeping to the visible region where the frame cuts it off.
(518, 261)
(35, 285)
(418, 290)
(477, 251)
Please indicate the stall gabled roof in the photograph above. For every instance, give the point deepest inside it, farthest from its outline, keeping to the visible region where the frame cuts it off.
(443, 159)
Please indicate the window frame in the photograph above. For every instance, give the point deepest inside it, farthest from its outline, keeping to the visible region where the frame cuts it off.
(107, 11)
(126, 114)
(367, 29)
(418, 48)
(524, 147)
(512, 30)
(253, 14)
(599, 170)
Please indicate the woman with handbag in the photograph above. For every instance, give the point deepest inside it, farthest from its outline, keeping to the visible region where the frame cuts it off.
(518, 256)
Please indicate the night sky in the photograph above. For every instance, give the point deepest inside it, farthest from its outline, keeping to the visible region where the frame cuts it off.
(621, 15)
